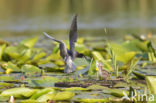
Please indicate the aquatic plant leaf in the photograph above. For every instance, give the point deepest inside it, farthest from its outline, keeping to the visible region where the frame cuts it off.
(80, 62)
(25, 57)
(81, 48)
(75, 89)
(56, 49)
(18, 92)
(59, 62)
(12, 52)
(126, 57)
(92, 69)
(11, 66)
(6, 85)
(118, 92)
(142, 45)
(122, 54)
(53, 57)
(7, 78)
(45, 81)
(4, 99)
(151, 83)
(63, 96)
(39, 56)
(2, 47)
(41, 92)
(80, 40)
(29, 101)
(29, 42)
(97, 56)
(131, 68)
(92, 100)
(121, 85)
(97, 87)
(131, 46)
(82, 71)
(30, 69)
(46, 97)
(139, 75)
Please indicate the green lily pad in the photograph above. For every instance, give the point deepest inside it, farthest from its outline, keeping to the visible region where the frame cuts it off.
(48, 96)
(122, 53)
(13, 52)
(29, 101)
(63, 96)
(39, 56)
(98, 56)
(75, 89)
(30, 69)
(91, 100)
(151, 82)
(7, 78)
(97, 87)
(25, 57)
(2, 47)
(29, 42)
(45, 81)
(118, 92)
(11, 66)
(18, 92)
(6, 85)
(41, 92)
(4, 99)
(80, 62)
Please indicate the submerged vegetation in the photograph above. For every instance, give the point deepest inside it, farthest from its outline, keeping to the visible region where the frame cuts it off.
(31, 75)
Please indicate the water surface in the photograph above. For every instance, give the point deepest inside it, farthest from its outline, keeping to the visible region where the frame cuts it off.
(109, 18)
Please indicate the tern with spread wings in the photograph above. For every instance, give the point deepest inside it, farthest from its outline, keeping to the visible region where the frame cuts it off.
(69, 55)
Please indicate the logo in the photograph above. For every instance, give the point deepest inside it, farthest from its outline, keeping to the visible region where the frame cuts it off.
(138, 97)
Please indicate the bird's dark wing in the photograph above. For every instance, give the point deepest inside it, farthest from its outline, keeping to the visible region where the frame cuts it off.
(50, 37)
(73, 35)
(63, 49)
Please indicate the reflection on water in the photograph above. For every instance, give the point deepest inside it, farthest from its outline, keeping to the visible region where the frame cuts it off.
(20, 17)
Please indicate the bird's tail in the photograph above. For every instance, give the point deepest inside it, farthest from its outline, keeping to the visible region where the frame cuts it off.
(70, 68)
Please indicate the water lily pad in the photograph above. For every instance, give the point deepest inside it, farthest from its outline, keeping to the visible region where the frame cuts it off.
(30, 69)
(75, 89)
(18, 92)
(25, 57)
(6, 85)
(118, 92)
(41, 92)
(48, 96)
(39, 56)
(13, 52)
(2, 47)
(11, 66)
(97, 87)
(63, 96)
(45, 81)
(29, 42)
(91, 100)
(4, 99)
(29, 101)
(7, 78)
(151, 82)
(80, 62)
(98, 56)
(122, 53)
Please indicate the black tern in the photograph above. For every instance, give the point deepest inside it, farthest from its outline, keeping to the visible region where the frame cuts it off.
(69, 55)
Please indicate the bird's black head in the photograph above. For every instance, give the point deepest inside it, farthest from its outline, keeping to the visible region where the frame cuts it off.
(80, 55)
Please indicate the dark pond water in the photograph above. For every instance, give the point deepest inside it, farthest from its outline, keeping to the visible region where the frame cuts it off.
(109, 18)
